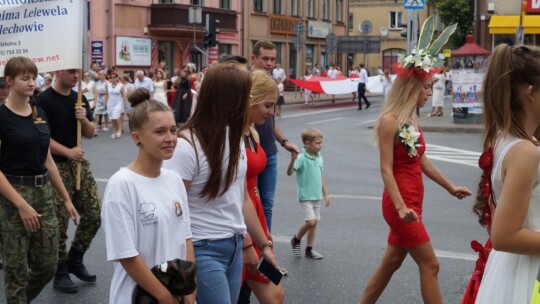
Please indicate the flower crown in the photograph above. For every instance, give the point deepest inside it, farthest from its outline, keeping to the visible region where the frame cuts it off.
(423, 61)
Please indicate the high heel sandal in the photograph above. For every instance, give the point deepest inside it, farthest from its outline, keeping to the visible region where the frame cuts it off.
(439, 114)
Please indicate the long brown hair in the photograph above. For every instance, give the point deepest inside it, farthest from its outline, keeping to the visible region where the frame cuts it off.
(221, 113)
(509, 68)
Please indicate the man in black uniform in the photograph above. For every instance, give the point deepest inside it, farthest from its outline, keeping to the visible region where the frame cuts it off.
(59, 104)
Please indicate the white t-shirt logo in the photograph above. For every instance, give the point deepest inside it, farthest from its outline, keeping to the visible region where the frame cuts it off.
(147, 210)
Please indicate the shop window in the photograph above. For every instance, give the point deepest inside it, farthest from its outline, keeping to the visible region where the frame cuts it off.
(226, 4)
(277, 7)
(279, 57)
(258, 5)
(390, 57)
(309, 56)
(292, 61)
(339, 10)
(165, 56)
(396, 18)
(294, 7)
(325, 10)
(224, 50)
(310, 8)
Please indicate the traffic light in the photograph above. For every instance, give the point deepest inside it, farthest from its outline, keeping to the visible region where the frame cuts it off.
(404, 34)
(210, 35)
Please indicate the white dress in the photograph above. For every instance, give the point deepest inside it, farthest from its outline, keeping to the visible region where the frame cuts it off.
(438, 91)
(509, 278)
(159, 93)
(115, 101)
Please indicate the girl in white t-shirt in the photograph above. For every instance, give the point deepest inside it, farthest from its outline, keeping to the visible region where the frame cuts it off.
(145, 213)
(211, 159)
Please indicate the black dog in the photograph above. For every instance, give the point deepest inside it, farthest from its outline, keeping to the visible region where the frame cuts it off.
(178, 276)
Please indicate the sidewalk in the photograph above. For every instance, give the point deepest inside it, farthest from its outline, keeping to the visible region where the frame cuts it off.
(443, 124)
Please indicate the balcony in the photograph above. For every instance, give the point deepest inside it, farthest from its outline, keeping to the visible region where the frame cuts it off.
(173, 19)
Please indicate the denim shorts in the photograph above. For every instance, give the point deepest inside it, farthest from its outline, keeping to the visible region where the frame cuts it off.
(219, 269)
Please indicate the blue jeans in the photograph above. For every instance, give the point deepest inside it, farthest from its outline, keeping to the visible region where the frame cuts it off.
(219, 270)
(266, 182)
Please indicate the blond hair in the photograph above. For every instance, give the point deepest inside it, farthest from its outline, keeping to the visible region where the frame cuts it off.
(263, 87)
(401, 102)
(311, 134)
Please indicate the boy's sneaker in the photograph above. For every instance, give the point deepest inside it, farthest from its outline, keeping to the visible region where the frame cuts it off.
(313, 255)
(296, 248)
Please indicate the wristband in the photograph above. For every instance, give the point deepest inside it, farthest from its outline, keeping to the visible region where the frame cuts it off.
(250, 245)
(283, 141)
(267, 244)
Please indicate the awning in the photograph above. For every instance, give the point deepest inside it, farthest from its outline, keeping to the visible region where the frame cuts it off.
(531, 23)
(503, 24)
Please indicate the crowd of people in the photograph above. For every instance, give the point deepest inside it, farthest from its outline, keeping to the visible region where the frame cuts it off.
(204, 192)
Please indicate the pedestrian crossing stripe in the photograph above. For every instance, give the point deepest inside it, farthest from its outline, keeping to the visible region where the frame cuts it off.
(452, 155)
(414, 4)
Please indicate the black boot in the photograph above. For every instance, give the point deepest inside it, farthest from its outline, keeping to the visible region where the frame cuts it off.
(62, 281)
(76, 266)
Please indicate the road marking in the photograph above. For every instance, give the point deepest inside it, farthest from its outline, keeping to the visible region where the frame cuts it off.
(325, 120)
(365, 122)
(439, 253)
(316, 112)
(452, 155)
(356, 197)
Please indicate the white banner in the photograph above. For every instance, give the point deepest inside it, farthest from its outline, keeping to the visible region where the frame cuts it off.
(48, 32)
(133, 51)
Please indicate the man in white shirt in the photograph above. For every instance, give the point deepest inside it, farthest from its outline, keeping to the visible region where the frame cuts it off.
(362, 88)
(142, 81)
(278, 72)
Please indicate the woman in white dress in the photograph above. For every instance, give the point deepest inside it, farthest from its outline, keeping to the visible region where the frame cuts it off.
(437, 99)
(102, 89)
(128, 88)
(511, 95)
(308, 95)
(160, 85)
(115, 102)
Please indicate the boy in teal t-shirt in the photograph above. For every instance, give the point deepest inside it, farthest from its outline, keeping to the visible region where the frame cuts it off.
(308, 166)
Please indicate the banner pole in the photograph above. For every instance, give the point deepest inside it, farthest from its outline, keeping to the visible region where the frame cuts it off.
(79, 126)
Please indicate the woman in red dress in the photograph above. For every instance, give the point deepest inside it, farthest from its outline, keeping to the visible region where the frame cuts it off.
(402, 160)
(264, 94)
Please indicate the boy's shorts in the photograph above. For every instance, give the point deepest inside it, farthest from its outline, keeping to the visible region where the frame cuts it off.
(311, 210)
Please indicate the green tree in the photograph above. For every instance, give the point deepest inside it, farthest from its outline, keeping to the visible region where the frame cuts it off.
(455, 11)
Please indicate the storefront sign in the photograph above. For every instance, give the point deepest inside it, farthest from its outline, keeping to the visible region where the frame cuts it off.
(318, 29)
(213, 54)
(96, 48)
(133, 51)
(227, 36)
(28, 28)
(282, 25)
(532, 6)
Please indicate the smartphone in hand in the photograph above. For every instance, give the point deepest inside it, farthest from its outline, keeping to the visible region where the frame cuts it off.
(269, 271)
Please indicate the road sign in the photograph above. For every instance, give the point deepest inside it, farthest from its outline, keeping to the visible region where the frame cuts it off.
(414, 4)
(195, 14)
(365, 27)
(299, 26)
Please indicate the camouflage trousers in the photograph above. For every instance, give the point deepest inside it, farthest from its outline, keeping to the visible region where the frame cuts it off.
(87, 204)
(30, 258)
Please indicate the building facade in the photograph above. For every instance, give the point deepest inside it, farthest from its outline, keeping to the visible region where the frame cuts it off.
(279, 20)
(386, 18)
(497, 22)
(145, 34)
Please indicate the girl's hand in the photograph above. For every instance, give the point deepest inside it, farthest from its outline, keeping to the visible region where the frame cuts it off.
(460, 192)
(250, 260)
(29, 217)
(71, 211)
(407, 215)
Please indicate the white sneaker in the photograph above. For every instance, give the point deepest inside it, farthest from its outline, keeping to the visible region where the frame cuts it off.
(118, 134)
(113, 136)
(105, 129)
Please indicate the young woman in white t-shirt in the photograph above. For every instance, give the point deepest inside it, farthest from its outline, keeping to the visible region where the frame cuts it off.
(211, 159)
(145, 213)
